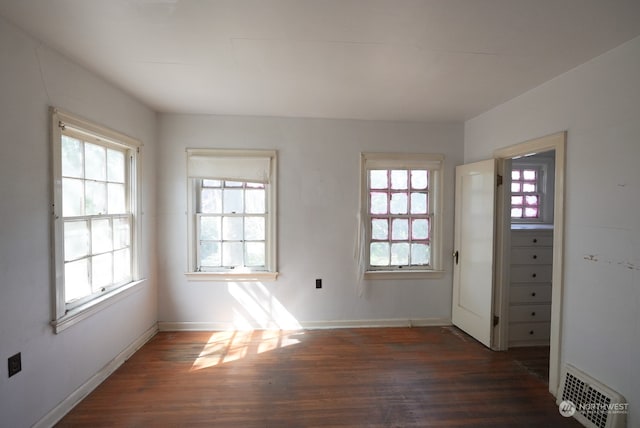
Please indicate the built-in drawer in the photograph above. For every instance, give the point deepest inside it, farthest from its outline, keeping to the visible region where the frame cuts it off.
(530, 313)
(529, 255)
(532, 238)
(529, 331)
(531, 273)
(530, 293)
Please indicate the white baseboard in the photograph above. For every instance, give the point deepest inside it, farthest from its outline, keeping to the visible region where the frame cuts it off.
(58, 412)
(310, 325)
(194, 326)
(419, 322)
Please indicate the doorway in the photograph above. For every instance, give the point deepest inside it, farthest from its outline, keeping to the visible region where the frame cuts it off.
(528, 295)
(482, 263)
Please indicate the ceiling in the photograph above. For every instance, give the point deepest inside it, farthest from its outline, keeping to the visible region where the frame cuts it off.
(429, 60)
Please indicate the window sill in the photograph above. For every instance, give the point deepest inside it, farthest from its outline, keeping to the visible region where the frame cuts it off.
(232, 277)
(75, 315)
(407, 274)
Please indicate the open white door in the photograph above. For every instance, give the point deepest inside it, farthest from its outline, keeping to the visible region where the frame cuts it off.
(473, 249)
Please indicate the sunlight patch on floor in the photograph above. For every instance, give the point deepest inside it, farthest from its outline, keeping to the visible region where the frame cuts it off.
(228, 346)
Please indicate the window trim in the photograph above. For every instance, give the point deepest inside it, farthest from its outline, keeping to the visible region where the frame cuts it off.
(435, 164)
(540, 174)
(545, 206)
(65, 315)
(270, 272)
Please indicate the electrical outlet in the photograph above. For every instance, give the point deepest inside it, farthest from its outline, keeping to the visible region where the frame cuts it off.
(318, 283)
(15, 364)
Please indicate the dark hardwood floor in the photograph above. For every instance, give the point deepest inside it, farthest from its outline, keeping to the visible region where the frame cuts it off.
(534, 360)
(391, 377)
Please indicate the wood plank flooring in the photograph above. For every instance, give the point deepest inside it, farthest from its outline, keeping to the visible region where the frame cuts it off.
(533, 359)
(391, 377)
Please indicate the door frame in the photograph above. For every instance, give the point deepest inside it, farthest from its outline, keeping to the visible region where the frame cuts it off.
(556, 142)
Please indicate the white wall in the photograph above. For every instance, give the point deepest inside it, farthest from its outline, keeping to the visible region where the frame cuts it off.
(32, 77)
(318, 200)
(598, 104)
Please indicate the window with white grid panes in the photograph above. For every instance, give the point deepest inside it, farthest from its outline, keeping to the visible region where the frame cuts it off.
(231, 225)
(97, 216)
(399, 219)
(525, 194)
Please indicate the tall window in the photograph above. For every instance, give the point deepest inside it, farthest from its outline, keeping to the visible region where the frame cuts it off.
(526, 193)
(401, 211)
(232, 218)
(95, 211)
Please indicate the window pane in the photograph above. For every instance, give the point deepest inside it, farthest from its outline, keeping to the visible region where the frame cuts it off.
(516, 187)
(531, 212)
(255, 201)
(399, 179)
(378, 203)
(515, 174)
(516, 200)
(419, 228)
(210, 228)
(95, 198)
(76, 280)
(233, 202)
(232, 253)
(420, 254)
(95, 162)
(211, 183)
(210, 254)
(379, 254)
(398, 203)
(379, 229)
(72, 157)
(255, 254)
(400, 229)
(378, 179)
(116, 199)
(101, 239)
(531, 200)
(418, 203)
(528, 187)
(211, 201)
(254, 229)
(122, 266)
(101, 271)
(233, 184)
(419, 179)
(232, 228)
(255, 185)
(516, 212)
(115, 166)
(121, 234)
(529, 174)
(400, 254)
(72, 197)
(76, 239)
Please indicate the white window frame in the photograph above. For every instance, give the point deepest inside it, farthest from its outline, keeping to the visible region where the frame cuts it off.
(433, 163)
(270, 272)
(67, 314)
(542, 166)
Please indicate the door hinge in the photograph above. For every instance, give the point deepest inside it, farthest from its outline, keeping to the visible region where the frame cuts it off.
(499, 180)
(496, 320)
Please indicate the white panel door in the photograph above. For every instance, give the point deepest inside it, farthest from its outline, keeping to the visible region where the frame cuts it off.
(473, 249)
